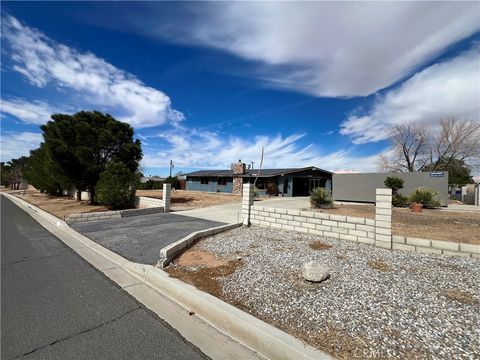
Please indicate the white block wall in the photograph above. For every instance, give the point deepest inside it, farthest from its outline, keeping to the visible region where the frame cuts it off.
(376, 232)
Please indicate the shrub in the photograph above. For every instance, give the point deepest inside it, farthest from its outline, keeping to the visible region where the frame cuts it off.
(426, 196)
(173, 181)
(394, 183)
(116, 187)
(398, 200)
(321, 198)
(150, 185)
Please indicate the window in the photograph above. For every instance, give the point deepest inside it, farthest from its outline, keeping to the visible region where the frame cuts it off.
(222, 181)
(260, 185)
(204, 180)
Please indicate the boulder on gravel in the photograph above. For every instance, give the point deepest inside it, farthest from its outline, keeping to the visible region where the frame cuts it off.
(315, 271)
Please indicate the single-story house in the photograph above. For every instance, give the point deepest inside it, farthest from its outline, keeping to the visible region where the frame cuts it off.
(285, 182)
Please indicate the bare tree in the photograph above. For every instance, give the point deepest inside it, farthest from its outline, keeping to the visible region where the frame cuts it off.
(410, 149)
(457, 140)
(413, 149)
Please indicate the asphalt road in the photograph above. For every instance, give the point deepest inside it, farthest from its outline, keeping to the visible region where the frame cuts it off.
(54, 305)
(140, 238)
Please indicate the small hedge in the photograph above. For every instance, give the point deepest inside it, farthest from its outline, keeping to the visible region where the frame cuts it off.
(116, 187)
(398, 200)
(321, 198)
(426, 196)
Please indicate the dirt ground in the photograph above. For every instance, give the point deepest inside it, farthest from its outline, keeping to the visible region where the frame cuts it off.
(208, 270)
(61, 207)
(183, 200)
(429, 224)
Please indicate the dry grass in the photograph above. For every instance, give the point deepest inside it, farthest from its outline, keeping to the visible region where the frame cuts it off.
(183, 200)
(59, 206)
(205, 278)
(463, 227)
(379, 265)
(318, 245)
(461, 296)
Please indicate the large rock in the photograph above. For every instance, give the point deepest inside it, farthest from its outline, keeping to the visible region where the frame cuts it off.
(314, 271)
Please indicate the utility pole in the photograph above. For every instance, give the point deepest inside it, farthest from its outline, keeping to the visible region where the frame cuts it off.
(171, 167)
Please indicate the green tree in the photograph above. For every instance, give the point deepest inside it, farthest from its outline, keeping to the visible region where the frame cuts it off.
(116, 187)
(12, 172)
(172, 180)
(4, 174)
(44, 174)
(459, 173)
(82, 145)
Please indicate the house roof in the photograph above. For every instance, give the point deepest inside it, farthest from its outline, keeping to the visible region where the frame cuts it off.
(254, 172)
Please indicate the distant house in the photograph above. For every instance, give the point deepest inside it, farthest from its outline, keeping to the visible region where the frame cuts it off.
(152, 178)
(286, 182)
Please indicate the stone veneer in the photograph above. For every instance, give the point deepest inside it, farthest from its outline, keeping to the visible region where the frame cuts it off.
(238, 168)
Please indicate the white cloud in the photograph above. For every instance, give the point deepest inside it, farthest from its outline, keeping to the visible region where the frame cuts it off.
(36, 112)
(45, 62)
(202, 149)
(322, 48)
(451, 88)
(16, 144)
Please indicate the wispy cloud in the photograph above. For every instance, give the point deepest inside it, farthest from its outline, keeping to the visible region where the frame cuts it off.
(16, 144)
(204, 149)
(445, 89)
(45, 62)
(33, 112)
(336, 49)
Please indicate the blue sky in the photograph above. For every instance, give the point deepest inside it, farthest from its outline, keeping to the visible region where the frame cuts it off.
(206, 84)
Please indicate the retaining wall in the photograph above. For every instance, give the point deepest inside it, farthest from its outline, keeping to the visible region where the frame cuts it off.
(376, 232)
(108, 215)
(430, 246)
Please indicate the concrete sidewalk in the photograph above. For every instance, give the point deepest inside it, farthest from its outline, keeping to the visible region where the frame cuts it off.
(230, 213)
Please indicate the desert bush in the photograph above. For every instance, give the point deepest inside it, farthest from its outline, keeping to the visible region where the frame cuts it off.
(426, 196)
(116, 187)
(394, 183)
(321, 198)
(398, 200)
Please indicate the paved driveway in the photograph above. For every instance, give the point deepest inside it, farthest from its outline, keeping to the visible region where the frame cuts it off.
(140, 238)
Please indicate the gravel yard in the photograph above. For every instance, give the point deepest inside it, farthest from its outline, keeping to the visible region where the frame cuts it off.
(376, 304)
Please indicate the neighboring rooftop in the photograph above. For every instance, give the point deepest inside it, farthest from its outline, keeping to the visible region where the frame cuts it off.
(254, 172)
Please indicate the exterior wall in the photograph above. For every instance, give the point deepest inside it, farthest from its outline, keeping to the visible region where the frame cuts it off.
(361, 187)
(376, 232)
(193, 184)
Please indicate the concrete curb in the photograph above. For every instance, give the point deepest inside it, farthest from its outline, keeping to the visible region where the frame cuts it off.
(172, 250)
(253, 333)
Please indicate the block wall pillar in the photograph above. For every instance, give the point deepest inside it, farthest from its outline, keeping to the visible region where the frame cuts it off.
(247, 203)
(383, 218)
(167, 189)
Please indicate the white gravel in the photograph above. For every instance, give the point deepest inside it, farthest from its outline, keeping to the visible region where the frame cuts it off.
(360, 311)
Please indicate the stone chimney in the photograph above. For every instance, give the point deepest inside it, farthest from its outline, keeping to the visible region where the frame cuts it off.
(239, 168)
